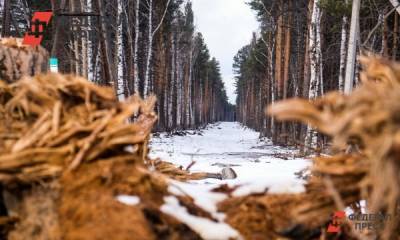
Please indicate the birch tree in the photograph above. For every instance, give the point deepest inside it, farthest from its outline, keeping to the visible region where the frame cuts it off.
(136, 48)
(151, 34)
(396, 4)
(303, 60)
(315, 66)
(124, 55)
(91, 72)
(149, 46)
(120, 52)
(352, 47)
(343, 51)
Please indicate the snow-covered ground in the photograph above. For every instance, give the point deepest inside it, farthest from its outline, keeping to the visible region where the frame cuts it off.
(259, 166)
(228, 144)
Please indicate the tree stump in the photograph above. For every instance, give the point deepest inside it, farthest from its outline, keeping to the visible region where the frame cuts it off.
(18, 60)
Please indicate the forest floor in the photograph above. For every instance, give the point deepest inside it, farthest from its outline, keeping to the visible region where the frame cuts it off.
(259, 164)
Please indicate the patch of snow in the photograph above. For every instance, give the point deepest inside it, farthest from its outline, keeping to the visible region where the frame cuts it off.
(201, 194)
(228, 143)
(255, 162)
(128, 200)
(206, 228)
(363, 208)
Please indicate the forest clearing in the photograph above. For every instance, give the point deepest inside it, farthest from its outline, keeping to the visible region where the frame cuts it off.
(258, 164)
(199, 119)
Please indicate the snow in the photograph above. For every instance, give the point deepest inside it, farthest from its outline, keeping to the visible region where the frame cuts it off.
(201, 194)
(128, 200)
(206, 228)
(229, 144)
(225, 144)
(363, 208)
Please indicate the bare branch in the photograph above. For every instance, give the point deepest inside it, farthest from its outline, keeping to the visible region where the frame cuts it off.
(162, 19)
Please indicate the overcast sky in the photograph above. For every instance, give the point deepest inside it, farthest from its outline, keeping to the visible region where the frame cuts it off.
(227, 25)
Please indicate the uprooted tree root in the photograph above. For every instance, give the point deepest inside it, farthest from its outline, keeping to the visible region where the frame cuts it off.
(369, 119)
(67, 149)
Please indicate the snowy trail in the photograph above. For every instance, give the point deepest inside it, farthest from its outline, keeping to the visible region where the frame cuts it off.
(229, 144)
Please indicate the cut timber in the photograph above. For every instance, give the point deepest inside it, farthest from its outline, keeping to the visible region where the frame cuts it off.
(18, 60)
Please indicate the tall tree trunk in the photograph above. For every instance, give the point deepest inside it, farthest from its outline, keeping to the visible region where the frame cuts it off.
(287, 52)
(136, 48)
(120, 54)
(5, 31)
(58, 29)
(385, 38)
(89, 50)
(278, 57)
(149, 48)
(106, 55)
(352, 48)
(315, 66)
(343, 41)
(84, 42)
(75, 44)
(395, 37)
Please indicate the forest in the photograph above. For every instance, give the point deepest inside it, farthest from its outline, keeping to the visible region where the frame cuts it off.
(305, 49)
(136, 46)
(152, 47)
(117, 122)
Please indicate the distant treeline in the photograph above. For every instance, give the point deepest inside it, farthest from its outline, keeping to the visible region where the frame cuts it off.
(302, 51)
(138, 47)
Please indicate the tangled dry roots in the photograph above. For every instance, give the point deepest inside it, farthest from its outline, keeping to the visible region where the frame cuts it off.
(52, 122)
(368, 118)
(67, 149)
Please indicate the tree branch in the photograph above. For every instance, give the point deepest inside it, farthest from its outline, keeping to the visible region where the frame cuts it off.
(162, 19)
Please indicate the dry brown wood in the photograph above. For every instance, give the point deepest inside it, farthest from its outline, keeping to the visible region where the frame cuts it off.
(54, 121)
(20, 60)
(369, 119)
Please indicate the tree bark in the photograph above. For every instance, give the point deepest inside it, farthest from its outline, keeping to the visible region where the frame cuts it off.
(342, 64)
(149, 48)
(395, 37)
(105, 46)
(136, 48)
(5, 31)
(396, 4)
(315, 65)
(120, 54)
(19, 60)
(352, 48)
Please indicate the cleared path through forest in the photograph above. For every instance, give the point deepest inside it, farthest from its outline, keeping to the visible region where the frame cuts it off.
(258, 163)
